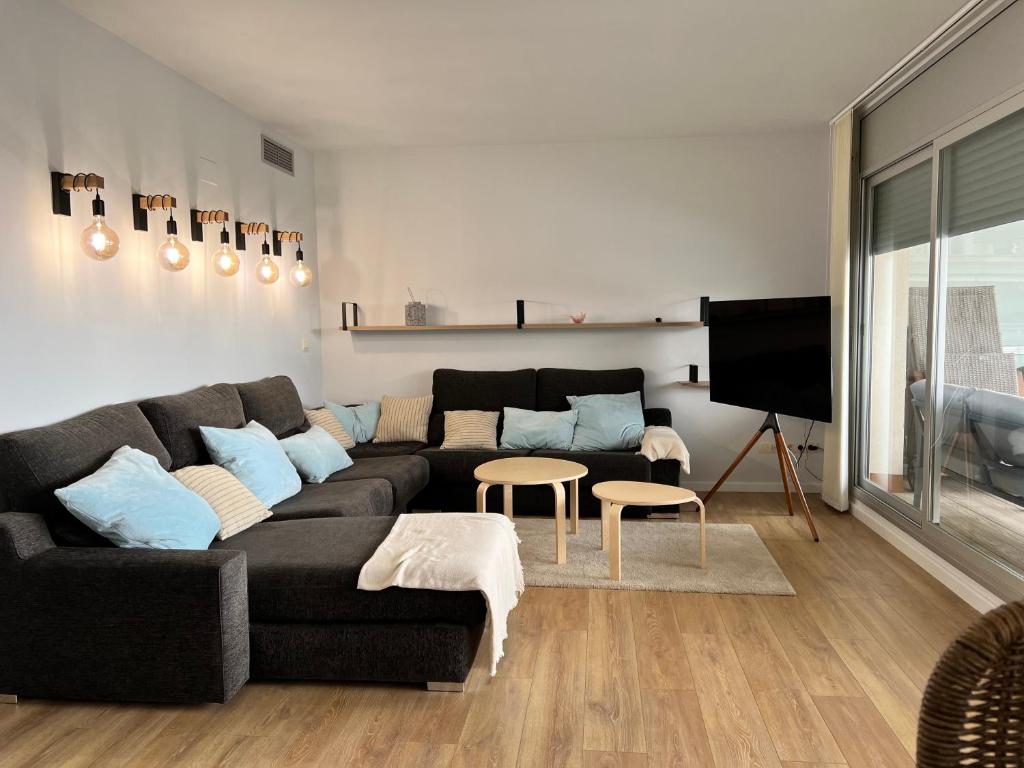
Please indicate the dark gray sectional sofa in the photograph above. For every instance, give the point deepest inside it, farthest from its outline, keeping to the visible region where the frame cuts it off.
(82, 619)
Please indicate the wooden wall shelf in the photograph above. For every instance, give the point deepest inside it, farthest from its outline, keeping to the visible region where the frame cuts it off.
(526, 327)
(695, 384)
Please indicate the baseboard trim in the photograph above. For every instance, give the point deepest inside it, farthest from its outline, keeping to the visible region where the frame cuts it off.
(747, 487)
(951, 577)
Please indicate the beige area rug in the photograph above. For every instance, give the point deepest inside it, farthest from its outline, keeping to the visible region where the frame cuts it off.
(657, 556)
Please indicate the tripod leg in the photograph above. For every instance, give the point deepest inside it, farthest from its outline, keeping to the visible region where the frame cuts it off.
(735, 463)
(800, 494)
(780, 450)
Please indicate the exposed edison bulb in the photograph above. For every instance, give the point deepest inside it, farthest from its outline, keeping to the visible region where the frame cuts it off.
(301, 275)
(99, 241)
(266, 270)
(172, 254)
(225, 260)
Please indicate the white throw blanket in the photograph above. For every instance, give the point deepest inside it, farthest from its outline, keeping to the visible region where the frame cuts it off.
(665, 443)
(453, 552)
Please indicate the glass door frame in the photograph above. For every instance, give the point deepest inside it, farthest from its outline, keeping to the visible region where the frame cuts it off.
(921, 524)
(862, 402)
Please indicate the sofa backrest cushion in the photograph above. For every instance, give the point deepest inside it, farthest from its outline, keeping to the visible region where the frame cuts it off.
(35, 462)
(275, 403)
(176, 419)
(479, 391)
(554, 385)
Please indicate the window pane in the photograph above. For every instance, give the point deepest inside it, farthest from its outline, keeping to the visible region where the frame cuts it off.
(897, 333)
(980, 448)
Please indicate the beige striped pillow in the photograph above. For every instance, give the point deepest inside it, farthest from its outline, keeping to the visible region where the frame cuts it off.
(326, 420)
(403, 418)
(235, 505)
(471, 429)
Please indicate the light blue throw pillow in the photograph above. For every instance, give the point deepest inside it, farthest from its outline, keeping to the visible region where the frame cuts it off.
(538, 429)
(360, 421)
(253, 455)
(316, 454)
(134, 502)
(607, 422)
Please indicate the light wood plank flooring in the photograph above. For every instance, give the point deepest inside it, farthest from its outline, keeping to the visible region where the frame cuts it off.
(832, 677)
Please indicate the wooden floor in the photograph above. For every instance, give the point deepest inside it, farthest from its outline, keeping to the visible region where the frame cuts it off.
(592, 678)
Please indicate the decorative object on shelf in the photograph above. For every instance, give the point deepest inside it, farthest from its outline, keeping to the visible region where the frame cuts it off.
(198, 219)
(344, 315)
(172, 254)
(657, 319)
(693, 381)
(415, 311)
(248, 228)
(267, 271)
(578, 318)
(98, 240)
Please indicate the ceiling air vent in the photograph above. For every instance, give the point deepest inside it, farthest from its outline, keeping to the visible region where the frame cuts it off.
(278, 155)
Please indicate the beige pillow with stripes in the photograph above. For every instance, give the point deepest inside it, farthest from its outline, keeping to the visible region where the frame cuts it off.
(323, 418)
(471, 429)
(235, 505)
(403, 418)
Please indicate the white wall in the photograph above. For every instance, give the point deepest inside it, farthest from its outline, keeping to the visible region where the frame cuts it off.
(625, 230)
(79, 333)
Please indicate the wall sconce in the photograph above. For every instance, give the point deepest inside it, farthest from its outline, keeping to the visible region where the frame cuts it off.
(225, 260)
(98, 241)
(172, 254)
(300, 275)
(252, 228)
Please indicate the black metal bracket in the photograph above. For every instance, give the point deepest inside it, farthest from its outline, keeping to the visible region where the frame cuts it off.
(60, 196)
(239, 237)
(275, 241)
(344, 315)
(705, 309)
(693, 373)
(196, 225)
(140, 214)
(520, 313)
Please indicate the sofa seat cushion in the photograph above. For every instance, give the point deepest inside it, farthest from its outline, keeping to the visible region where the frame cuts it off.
(176, 419)
(408, 475)
(457, 466)
(307, 571)
(357, 498)
(273, 402)
(373, 450)
(35, 462)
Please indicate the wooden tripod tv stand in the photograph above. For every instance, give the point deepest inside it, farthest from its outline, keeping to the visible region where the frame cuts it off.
(786, 468)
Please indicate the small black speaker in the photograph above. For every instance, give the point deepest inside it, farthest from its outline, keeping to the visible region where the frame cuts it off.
(693, 373)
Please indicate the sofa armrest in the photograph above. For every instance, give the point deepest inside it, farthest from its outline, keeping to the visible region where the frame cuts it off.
(125, 624)
(657, 417)
(23, 536)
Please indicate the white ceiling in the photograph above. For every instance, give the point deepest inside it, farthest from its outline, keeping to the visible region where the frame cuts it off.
(402, 72)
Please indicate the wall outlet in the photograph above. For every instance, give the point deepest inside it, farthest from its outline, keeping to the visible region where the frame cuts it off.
(305, 345)
(766, 447)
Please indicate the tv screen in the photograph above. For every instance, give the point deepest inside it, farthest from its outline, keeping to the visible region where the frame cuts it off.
(773, 355)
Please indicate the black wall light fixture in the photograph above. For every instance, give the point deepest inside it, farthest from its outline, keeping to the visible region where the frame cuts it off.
(251, 228)
(172, 254)
(197, 219)
(98, 240)
(300, 274)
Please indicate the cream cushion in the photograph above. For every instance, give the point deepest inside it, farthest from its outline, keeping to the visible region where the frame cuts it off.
(327, 421)
(403, 418)
(234, 504)
(471, 429)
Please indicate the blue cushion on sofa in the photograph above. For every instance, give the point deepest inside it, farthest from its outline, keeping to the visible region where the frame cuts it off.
(360, 421)
(253, 455)
(315, 454)
(607, 422)
(538, 429)
(134, 502)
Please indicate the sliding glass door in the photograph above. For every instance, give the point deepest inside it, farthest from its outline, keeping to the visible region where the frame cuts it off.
(941, 424)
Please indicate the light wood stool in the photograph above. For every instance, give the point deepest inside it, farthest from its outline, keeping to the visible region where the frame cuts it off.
(534, 470)
(616, 494)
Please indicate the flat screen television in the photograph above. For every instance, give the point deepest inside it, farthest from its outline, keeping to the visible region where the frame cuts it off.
(773, 355)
